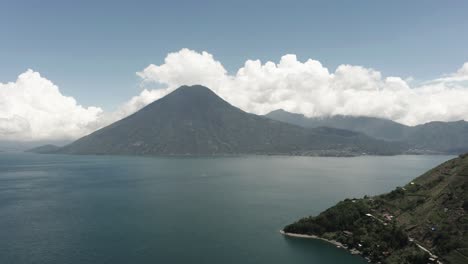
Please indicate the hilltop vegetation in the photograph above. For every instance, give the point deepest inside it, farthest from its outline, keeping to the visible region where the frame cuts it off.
(423, 221)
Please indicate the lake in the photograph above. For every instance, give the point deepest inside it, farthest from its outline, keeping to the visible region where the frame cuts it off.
(102, 209)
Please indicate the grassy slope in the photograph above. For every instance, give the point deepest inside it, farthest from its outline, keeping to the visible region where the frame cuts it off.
(431, 211)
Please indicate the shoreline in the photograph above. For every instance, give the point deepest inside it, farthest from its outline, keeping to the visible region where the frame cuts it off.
(333, 242)
(352, 251)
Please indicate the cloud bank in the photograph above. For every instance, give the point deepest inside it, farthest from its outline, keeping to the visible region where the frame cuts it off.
(311, 89)
(32, 108)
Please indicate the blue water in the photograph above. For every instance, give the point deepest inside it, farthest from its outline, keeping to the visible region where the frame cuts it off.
(101, 209)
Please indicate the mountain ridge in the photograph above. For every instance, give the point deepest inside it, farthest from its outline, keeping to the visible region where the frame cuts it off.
(44, 149)
(435, 137)
(193, 120)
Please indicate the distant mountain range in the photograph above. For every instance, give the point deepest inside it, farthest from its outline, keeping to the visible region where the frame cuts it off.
(44, 149)
(193, 120)
(433, 137)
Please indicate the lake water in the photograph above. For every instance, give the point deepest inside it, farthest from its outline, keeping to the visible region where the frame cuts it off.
(100, 209)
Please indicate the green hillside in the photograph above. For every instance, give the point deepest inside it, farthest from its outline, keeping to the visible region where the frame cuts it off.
(422, 222)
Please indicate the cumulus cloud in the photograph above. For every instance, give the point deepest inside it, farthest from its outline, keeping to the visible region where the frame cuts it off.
(32, 108)
(463, 71)
(309, 88)
(461, 75)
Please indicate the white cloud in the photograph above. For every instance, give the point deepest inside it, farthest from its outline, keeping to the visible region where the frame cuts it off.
(32, 108)
(185, 68)
(309, 88)
(463, 71)
(455, 78)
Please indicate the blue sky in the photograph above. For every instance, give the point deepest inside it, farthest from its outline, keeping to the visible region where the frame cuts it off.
(92, 49)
